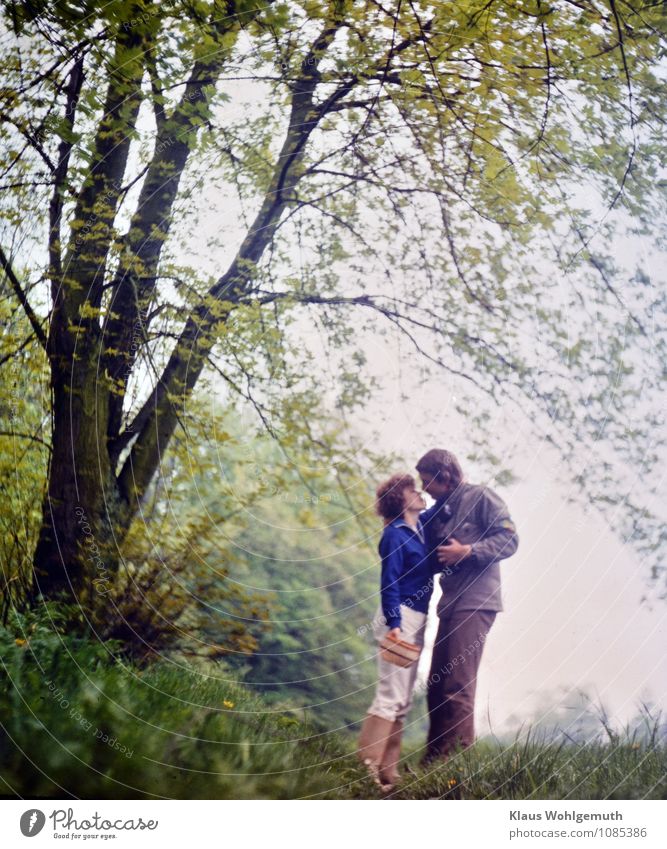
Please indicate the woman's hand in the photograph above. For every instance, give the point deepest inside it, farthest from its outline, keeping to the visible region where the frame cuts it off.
(395, 634)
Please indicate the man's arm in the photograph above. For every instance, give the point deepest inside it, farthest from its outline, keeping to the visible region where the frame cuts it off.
(499, 537)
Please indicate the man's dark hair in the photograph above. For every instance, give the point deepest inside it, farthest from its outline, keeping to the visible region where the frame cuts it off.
(443, 465)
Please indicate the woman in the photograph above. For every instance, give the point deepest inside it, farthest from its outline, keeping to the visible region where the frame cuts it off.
(406, 585)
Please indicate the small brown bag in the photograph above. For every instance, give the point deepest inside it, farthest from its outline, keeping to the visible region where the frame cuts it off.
(399, 652)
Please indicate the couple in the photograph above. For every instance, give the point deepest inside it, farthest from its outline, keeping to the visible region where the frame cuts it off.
(463, 536)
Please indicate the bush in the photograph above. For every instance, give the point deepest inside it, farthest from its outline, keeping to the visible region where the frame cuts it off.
(77, 720)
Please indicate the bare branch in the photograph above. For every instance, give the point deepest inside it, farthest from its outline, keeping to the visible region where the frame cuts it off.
(73, 91)
(20, 294)
(29, 436)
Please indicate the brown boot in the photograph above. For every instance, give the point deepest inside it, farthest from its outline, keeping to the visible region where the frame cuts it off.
(373, 738)
(389, 773)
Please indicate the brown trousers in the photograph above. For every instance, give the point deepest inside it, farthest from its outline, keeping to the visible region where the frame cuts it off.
(453, 679)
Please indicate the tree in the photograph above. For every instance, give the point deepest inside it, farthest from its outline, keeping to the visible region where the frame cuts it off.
(466, 131)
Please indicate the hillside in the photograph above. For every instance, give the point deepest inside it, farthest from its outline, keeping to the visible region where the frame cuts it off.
(75, 722)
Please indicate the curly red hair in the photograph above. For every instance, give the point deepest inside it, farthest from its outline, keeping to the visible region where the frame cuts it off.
(390, 498)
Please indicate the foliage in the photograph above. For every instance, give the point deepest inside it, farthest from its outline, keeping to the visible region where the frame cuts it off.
(200, 577)
(275, 551)
(461, 176)
(24, 452)
(73, 715)
(323, 571)
(177, 591)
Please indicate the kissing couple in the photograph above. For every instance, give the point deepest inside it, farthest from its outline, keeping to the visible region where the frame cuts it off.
(463, 537)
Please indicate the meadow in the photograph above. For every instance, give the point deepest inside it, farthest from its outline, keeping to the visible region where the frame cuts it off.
(78, 721)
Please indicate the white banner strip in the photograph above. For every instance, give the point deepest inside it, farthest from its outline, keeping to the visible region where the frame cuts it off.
(323, 824)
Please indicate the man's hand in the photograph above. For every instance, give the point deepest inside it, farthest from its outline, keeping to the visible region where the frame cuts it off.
(395, 634)
(450, 555)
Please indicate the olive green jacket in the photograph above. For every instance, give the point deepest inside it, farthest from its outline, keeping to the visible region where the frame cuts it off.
(476, 516)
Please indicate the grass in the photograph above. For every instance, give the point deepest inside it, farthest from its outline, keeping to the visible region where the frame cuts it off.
(536, 767)
(77, 723)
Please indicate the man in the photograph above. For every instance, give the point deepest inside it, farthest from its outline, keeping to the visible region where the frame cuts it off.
(468, 531)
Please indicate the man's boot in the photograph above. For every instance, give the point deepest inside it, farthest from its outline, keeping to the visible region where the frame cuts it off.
(389, 773)
(431, 757)
(375, 732)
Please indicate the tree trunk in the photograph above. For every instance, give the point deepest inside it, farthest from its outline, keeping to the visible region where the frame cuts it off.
(88, 509)
(77, 547)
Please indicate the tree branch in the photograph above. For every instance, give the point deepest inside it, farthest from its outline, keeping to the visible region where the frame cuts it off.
(97, 203)
(20, 294)
(135, 279)
(73, 91)
(156, 419)
(30, 436)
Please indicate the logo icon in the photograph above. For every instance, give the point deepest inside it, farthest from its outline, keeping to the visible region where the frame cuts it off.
(32, 822)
